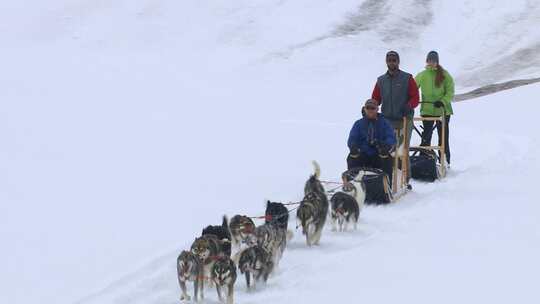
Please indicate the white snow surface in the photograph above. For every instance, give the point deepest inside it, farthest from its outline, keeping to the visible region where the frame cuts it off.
(128, 126)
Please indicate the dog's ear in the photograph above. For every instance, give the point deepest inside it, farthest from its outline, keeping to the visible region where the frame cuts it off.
(225, 222)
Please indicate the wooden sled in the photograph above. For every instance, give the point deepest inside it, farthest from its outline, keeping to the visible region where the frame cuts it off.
(442, 166)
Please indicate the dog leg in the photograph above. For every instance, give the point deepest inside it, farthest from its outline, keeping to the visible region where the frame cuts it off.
(266, 275)
(218, 290)
(248, 280)
(290, 235)
(230, 295)
(184, 295)
(255, 280)
(318, 237)
(202, 289)
(334, 228)
(196, 289)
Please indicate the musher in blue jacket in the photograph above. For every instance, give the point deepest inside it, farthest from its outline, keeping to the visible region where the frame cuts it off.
(371, 141)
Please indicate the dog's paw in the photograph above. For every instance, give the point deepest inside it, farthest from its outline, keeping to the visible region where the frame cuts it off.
(185, 298)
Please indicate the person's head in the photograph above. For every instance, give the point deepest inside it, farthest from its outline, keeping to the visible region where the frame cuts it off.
(392, 61)
(432, 59)
(371, 107)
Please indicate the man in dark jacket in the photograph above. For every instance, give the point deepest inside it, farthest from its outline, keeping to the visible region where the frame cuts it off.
(371, 141)
(397, 92)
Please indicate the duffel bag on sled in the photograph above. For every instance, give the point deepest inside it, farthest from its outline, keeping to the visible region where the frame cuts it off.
(376, 184)
(424, 165)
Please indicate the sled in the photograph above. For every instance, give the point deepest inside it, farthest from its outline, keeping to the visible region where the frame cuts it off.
(378, 186)
(441, 166)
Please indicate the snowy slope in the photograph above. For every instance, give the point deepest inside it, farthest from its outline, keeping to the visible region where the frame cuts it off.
(473, 237)
(129, 125)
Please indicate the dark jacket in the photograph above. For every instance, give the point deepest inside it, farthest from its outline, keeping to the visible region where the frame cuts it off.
(366, 134)
(398, 95)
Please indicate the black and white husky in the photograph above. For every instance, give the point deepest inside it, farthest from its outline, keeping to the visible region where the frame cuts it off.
(189, 270)
(255, 263)
(344, 211)
(354, 186)
(224, 274)
(313, 209)
(347, 204)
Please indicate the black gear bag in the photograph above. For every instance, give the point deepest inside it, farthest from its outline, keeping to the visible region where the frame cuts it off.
(424, 165)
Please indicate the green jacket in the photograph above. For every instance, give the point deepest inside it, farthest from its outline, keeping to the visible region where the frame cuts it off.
(430, 93)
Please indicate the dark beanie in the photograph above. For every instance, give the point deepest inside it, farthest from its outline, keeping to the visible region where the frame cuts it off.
(432, 56)
(392, 53)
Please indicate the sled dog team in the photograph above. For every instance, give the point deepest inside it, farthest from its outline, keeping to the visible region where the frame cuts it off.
(258, 249)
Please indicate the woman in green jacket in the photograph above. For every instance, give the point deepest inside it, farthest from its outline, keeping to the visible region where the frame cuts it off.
(437, 88)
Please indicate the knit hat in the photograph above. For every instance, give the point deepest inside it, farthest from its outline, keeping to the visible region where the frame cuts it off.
(432, 56)
(371, 102)
(392, 53)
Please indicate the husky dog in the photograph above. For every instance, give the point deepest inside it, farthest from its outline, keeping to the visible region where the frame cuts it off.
(278, 214)
(354, 186)
(272, 239)
(257, 263)
(224, 274)
(313, 209)
(222, 233)
(347, 204)
(344, 211)
(242, 230)
(189, 268)
(207, 248)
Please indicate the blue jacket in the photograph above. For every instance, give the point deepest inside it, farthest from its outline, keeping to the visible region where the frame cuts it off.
(366, 134)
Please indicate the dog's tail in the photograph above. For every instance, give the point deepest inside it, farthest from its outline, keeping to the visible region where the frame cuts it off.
(225, 225)
(317, 169)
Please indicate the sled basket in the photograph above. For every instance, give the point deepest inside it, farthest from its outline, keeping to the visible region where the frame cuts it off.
(424, 165)
(376, 184)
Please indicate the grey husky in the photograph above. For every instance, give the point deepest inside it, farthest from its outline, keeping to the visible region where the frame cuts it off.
(208, 249)
(189, 269)
(257, 263)
(313, 209)
(224, 274)
(242, 230)
(272, 239)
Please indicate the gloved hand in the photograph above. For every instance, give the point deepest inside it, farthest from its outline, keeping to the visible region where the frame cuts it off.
(384, 149)
(438, 104)
(354, 151)
(406, 110)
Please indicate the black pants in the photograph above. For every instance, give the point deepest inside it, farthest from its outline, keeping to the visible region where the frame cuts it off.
(374, 161)
(428, 133)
